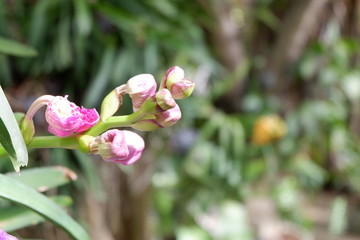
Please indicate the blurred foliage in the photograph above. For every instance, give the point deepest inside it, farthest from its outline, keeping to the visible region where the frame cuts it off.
(206, 170)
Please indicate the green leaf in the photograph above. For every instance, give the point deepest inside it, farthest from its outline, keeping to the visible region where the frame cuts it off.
(19, 193)
(17, 217)
(44, 178)
(124, 20)
(83, 18)
(17, 49)
(5, 140)
(11, 135)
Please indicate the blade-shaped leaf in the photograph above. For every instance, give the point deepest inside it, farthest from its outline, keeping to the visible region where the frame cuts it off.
(11, 47)
(15, 191)
(20, 158)
(17, 217)
(44, 178)
(5, 140)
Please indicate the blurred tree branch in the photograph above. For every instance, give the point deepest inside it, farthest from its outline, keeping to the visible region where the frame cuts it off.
(227, 41)
(301, 22)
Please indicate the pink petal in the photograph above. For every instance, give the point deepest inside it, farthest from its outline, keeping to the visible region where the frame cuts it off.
(89, 118)
(113, 145)
(65, 118)
(6, 236)
(135, 144)
(59, 133)
(169, 117)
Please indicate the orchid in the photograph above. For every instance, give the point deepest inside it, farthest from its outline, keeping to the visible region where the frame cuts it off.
(65, 117)
(76, 127)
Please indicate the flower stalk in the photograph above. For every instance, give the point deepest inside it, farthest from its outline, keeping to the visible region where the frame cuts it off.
(84, 129)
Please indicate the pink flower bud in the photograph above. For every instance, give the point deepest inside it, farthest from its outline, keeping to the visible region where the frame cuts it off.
(169, 117)
(65, 118)
(140, 88)
(6, 236)
(178, 85)
(182, 89)
(173, 75)
(122, 147)
(112, 102)
(164, 99)
(159, 120)
(27, 129)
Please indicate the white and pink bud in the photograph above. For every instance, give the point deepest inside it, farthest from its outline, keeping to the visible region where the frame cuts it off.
(182, 89)
(161, 119)
(140, 88)
(172, 75)
(116, 146)
(164, 99)
(64, 117)
(169, 117)
(177, 84)
(112, 102)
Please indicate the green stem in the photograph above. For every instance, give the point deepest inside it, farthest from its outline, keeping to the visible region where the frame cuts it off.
(49, 142)
(115, 122)
(53, 142)
(272, 162)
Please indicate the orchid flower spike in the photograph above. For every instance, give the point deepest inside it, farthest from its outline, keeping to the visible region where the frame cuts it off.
(140, 88)
(6, 236)
(177, 84)
(116, 146)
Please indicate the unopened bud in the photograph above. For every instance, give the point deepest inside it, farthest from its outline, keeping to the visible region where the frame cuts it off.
(168, 117)
(173, 75)
(177, 84)
(182, 89)
(27, 129)
(112, 102)
(140, 88)
(122, 147)
(164, 99)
